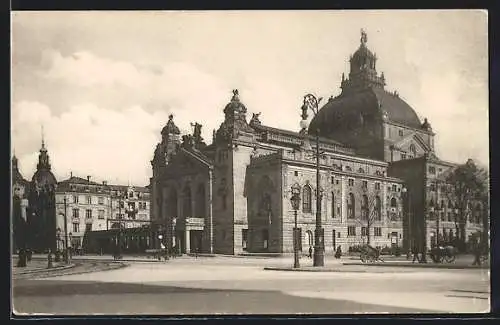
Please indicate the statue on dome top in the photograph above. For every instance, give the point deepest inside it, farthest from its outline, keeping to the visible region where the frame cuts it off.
(236, 95)
(364, 37)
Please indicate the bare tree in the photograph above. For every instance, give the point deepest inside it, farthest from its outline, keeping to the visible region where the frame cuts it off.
(371, 212)
(466, 185)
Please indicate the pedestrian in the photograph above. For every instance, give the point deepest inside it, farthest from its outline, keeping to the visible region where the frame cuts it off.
(477, 253)
(415, 255)
(310, 252)
(338, 252)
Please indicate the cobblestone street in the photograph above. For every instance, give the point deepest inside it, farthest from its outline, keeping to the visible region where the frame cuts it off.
(241, 285)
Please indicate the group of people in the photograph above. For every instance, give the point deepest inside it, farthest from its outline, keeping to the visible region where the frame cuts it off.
(338, 252)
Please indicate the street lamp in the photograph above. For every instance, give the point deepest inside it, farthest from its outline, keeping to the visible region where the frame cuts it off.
(58, 246)
(295, 200)
(312, 103)
(406, 193)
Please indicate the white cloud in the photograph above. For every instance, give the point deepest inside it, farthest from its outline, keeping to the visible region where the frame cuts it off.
(89, 140)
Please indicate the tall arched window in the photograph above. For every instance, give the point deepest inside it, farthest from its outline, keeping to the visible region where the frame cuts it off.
(200, 201)
(172, 203)
(378, 209)
(394, 203)
(413, 151)
(350, 206)
(186, 202)
(306, 199)
(364, 207)
(333, 205)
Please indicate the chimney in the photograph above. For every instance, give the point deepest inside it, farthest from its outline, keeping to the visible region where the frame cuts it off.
(70, 174)
(104, 183)
(88, 179)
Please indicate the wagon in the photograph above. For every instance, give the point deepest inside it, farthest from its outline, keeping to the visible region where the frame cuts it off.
(439, 254)
(370, 254)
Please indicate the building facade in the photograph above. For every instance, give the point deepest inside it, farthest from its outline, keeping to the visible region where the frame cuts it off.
(376, 169)
(19, 206)
(233, 195)
(75, 208)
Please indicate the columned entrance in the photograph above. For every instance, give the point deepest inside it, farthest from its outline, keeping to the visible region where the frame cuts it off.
(195, 237)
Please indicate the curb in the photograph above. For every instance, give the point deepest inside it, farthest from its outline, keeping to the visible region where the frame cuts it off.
(313, 270)
(58, 268)
(119, 266)
(422, 265)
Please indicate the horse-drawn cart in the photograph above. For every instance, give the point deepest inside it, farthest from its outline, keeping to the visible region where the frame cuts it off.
(439, 254)
(370, 254)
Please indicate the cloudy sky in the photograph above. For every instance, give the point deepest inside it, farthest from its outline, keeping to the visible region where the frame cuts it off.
(103, 83)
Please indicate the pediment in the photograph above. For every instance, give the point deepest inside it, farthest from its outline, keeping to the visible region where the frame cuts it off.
(183, 163)
(414, 139)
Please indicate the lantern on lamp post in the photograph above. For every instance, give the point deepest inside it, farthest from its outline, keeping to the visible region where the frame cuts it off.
(295, 200)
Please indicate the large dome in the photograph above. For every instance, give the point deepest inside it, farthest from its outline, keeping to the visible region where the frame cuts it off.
(372, 104)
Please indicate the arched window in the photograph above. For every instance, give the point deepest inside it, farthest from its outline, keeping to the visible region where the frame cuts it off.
(394, 203)
(186, 202)
(412, 149)
(333, 205)
(364, 207)
(172, 203)
(351, 203)
(306, 199)
(200, 201)
(266, 207)
(378, 208)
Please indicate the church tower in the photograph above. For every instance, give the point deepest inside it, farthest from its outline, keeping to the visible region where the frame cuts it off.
(42, 214)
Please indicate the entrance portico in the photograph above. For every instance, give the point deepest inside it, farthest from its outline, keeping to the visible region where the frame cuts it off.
(189, 236)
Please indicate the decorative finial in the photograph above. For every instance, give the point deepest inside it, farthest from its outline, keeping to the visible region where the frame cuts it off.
(236, 95)
(43, 140)
(364, 37)
(170, 117)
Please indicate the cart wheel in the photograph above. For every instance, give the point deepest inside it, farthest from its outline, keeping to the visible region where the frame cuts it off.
(362, 257)
(449, 258)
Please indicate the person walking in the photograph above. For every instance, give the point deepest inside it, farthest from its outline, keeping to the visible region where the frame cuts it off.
(310, 252)
(338, 252)
(477, 253)
(415, 255)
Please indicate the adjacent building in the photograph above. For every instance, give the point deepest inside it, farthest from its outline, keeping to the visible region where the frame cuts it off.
(19, 206)
(74, 209)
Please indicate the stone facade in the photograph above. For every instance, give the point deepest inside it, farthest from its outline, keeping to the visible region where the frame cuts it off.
(374, 162)
(250, 168)
(19, 206)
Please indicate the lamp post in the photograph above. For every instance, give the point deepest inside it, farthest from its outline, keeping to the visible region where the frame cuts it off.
(66, 252)
(408, 214)
(69, 247)
(295, 200)
(312, 103)
(160, 237)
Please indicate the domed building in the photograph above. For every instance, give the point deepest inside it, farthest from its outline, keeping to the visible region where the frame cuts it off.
(380, 179)
(377, 123)
(42, 212)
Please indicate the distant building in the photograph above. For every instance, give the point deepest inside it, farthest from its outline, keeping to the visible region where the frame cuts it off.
(130, 205)
(19, 206)
(88, 207)
(42, 206)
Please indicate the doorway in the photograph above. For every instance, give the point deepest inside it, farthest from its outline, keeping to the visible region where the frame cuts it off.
(195, 239)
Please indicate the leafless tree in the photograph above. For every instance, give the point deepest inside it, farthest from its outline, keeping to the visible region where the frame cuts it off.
(371, 212)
